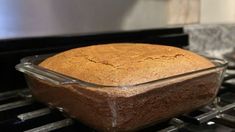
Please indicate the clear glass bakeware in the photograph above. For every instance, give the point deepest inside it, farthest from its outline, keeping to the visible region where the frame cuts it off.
(123, 108)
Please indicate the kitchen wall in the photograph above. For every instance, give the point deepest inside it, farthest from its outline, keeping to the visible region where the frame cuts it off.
(217, 11)
(201, 11)
(49, 17)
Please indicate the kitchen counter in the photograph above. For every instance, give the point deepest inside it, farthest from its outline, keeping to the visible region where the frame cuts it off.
(214, 39)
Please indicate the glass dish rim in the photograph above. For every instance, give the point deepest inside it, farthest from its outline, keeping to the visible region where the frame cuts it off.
(27, 66)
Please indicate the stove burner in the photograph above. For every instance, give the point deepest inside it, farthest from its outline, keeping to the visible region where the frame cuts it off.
(230, 56)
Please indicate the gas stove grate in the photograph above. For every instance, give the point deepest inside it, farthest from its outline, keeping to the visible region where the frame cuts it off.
(19, 112)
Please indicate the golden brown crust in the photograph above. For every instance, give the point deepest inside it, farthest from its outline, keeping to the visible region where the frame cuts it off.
(124, 63)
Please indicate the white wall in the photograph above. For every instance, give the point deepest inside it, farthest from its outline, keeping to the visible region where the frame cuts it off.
(217, 11)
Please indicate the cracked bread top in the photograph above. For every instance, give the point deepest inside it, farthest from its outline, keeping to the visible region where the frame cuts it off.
(124, 63)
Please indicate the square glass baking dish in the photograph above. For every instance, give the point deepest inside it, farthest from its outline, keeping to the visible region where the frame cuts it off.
(123, 108)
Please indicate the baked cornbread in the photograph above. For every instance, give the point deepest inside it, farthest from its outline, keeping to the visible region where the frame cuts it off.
(126, 106)
(125, 64)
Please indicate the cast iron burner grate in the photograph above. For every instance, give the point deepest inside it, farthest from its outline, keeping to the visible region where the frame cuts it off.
(19, 112)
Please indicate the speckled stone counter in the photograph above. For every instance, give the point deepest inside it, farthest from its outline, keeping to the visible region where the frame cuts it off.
(215, 40)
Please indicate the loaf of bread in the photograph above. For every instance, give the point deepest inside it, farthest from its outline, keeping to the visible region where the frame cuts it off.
(125, 64)
(135, 99)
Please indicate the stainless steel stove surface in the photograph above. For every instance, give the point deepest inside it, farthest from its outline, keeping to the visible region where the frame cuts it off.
(20, 112)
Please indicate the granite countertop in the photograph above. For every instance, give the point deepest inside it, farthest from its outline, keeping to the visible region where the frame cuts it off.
(214, 39)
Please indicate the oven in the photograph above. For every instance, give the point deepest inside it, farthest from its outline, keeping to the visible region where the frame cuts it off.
(20, 112)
